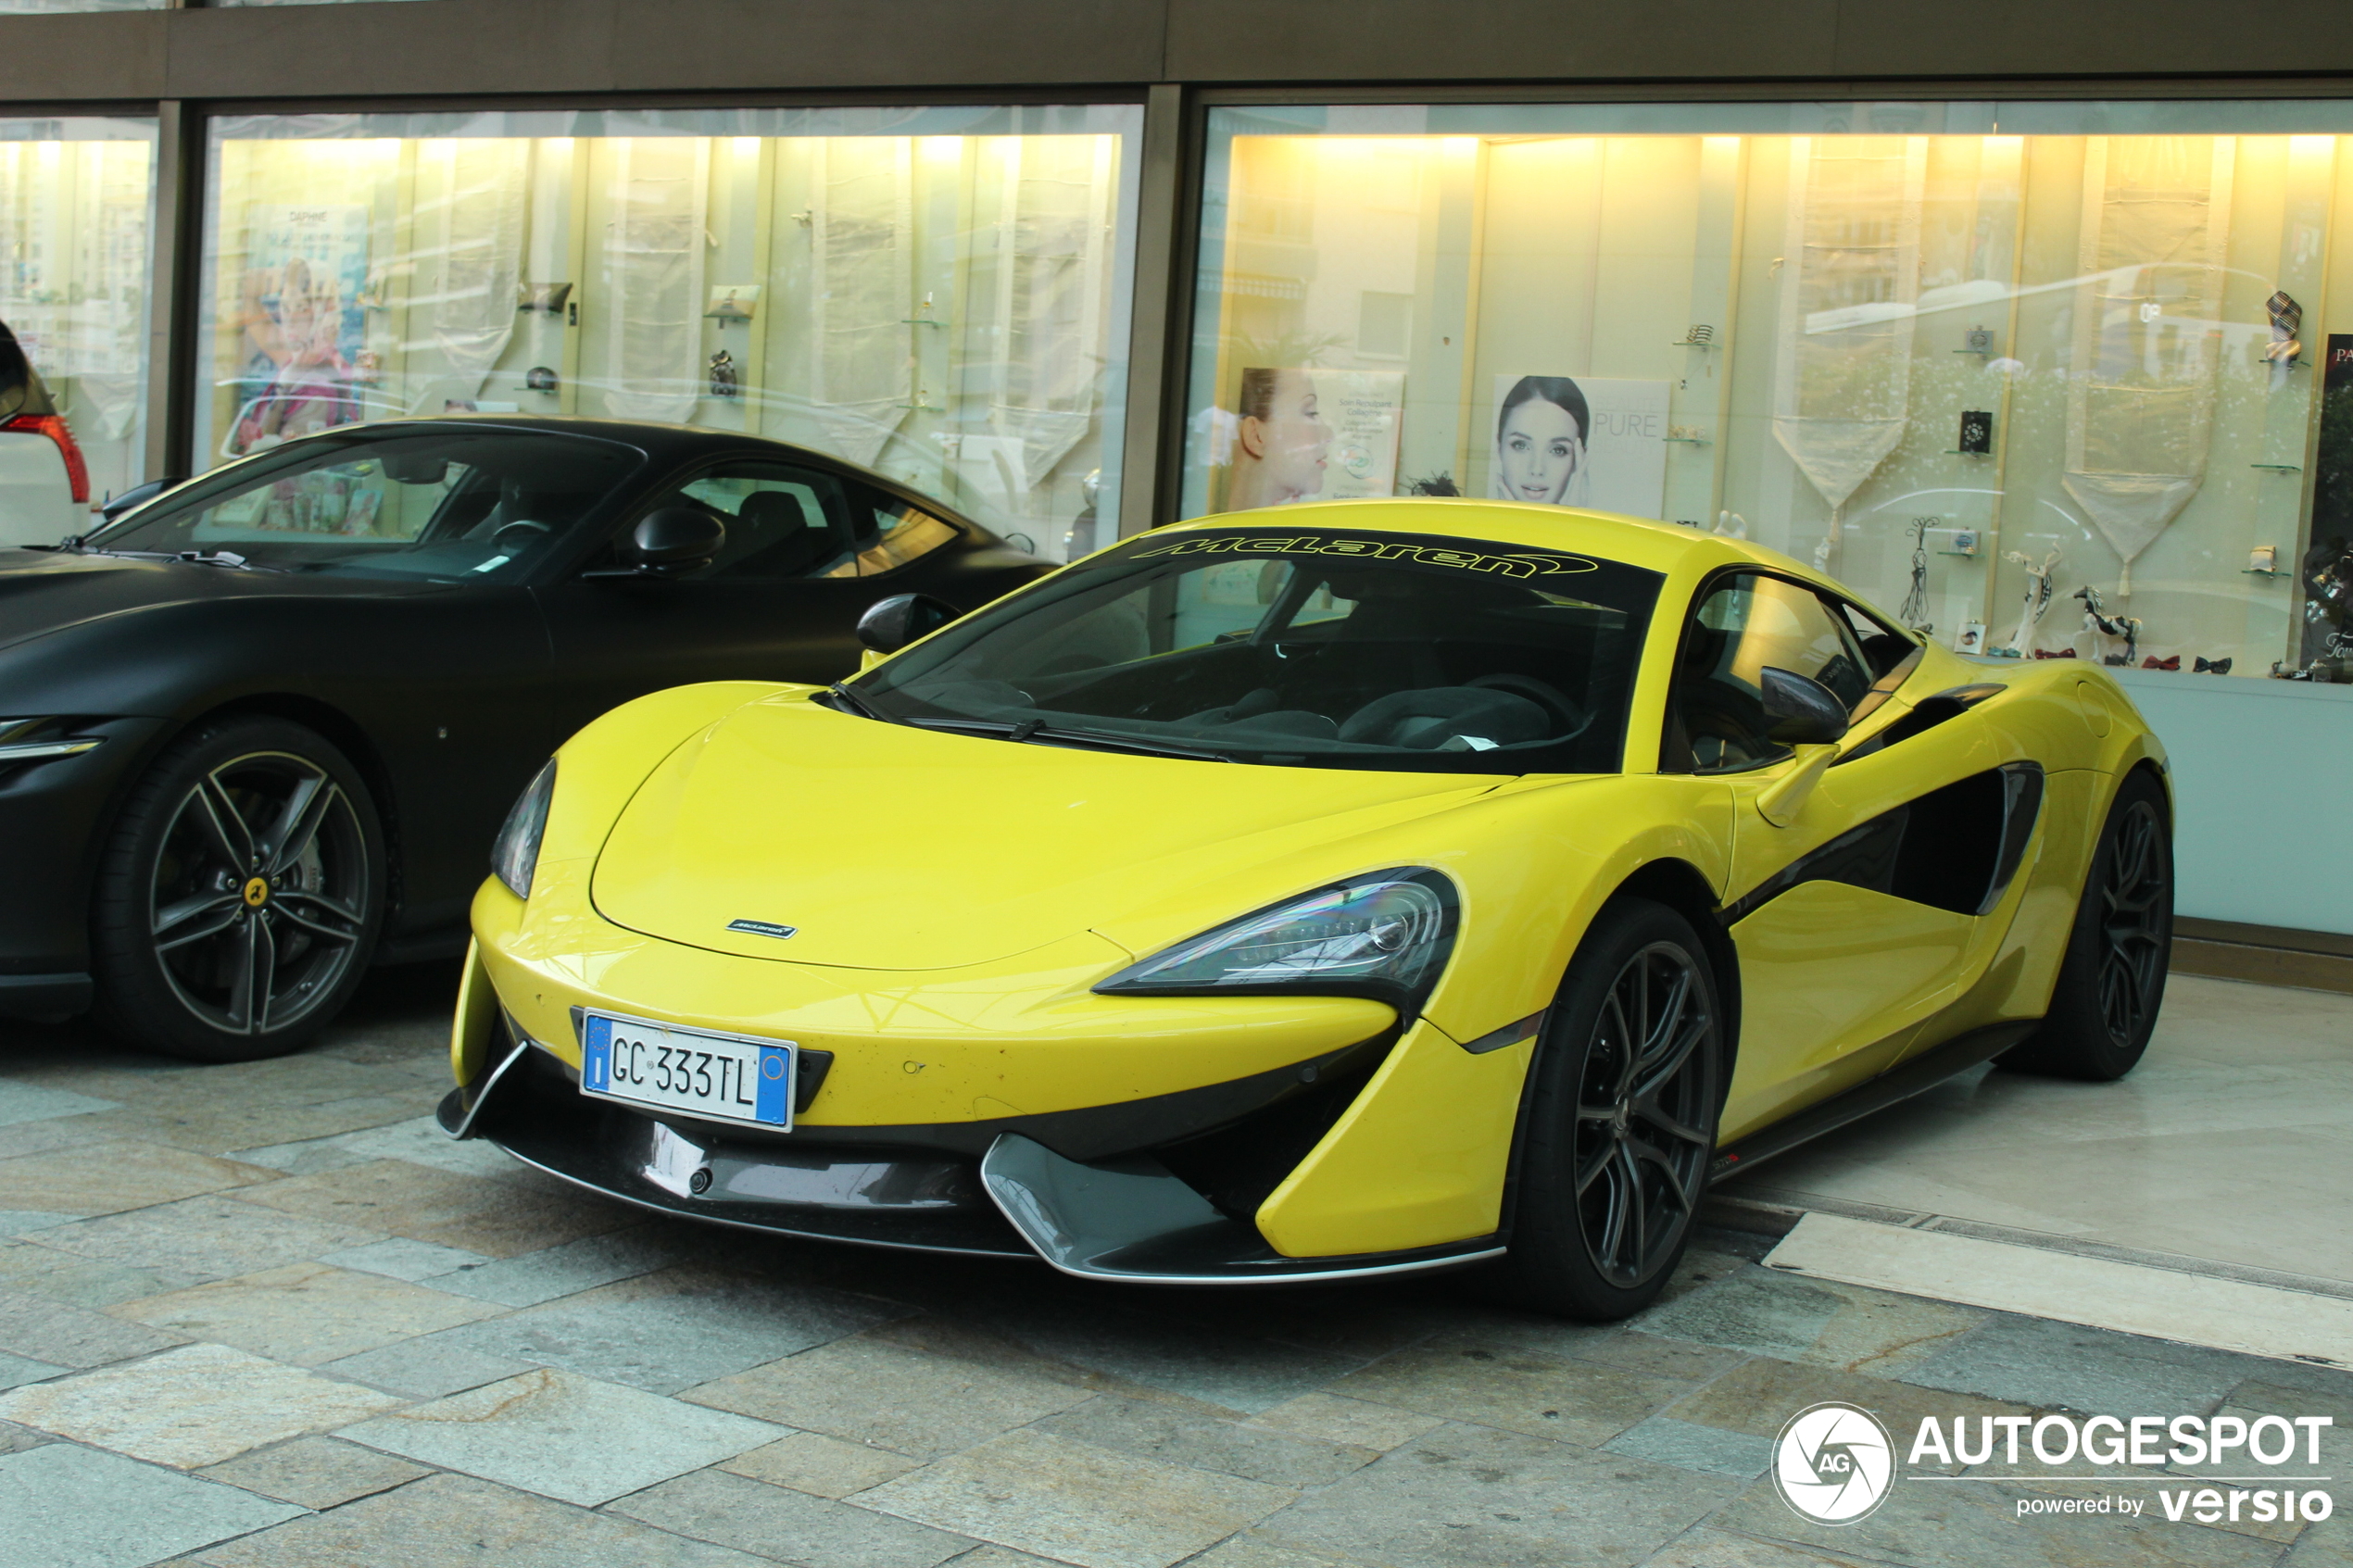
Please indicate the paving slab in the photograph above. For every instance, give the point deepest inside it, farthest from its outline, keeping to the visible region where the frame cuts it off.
(788, 1526)
(210, 1124)
(867, 1391)
(1077, 1502)
(526, 1279)
(672, 1329)
(1156, 1429)
(567, 1437)
(1926, 1524)
(108, 1177)
(206, 1238)
(42, 1329)
(400, 1258)
(316, 1472)
(445, 1520)
(498, 1216)
(2096, 1370)
(305, 1313)
(425, 1368)
(1819, 1322)
(1704, 1547)
(17, 1370)
(1357, 1423)
(78, 1281)
(1471, 1497)
(31, 1102)
(822, 1466)
(191, 1407)
(1687, 1446)
(1234, 1371)
(68, 1507)
(1760, 1395)
(1566, 1401)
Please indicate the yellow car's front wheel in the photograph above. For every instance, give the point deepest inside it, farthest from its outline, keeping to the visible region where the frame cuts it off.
(1621, 1119)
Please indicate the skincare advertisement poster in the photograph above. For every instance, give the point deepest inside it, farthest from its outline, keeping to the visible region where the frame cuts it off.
(1580, 440)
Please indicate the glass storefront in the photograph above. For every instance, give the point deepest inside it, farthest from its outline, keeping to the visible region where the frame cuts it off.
(939, 293)
(2044, 379)
(77, 204)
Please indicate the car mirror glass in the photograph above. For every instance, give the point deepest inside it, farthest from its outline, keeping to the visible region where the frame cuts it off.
(890, 624)
(1804, 712)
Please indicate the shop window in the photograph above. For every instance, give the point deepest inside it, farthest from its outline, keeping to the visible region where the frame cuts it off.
(936, 293)
(2039, 379)
(77, 199)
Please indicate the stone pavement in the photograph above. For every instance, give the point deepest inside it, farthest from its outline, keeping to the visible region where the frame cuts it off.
(266, 1316)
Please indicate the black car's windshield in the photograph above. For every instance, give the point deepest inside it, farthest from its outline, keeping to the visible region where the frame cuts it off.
(447, 502)
(1301, 649)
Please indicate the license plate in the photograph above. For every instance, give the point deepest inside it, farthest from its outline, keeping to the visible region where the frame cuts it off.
(721, 1077)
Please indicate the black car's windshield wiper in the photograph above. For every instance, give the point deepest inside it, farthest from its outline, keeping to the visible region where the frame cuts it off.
(196, 557)
(1034, 731)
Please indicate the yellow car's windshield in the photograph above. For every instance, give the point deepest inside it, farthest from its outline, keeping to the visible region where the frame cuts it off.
(1301, 649)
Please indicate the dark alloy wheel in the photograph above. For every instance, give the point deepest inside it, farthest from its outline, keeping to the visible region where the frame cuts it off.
(2111, 984)
(239, 903)
(1620, 1119)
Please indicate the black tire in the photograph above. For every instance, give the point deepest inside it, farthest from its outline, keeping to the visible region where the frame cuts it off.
(2112, 981)
(240, 895)
(1620, 1119)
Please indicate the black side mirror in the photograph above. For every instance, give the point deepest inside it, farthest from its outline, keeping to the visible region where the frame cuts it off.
(890, 624)
(675, 540)
(414, 467)
(1806, 712)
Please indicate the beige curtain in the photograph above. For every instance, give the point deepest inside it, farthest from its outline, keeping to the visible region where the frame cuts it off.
(466, 251)
(654, 246)
(2148, 307)
(1850, 286)
(862, 286)
(1051, 237)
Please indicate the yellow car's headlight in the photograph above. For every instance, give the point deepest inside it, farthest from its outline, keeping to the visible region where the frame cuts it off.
(1384, 934)
(514, 854)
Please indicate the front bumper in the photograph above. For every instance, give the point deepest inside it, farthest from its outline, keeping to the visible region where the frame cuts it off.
(1124, 1217)
(54, 815)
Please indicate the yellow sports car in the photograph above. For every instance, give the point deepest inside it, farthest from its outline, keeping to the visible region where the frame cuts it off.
(1376, 886)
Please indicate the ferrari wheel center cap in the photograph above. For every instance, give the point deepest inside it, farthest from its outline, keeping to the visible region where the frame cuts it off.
(257, 892)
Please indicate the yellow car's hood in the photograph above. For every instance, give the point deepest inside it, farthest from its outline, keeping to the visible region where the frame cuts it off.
(886, 846)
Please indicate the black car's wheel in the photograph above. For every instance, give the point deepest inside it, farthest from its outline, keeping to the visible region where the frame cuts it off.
(2112, 980)
(1620, 1118)
(240, 897)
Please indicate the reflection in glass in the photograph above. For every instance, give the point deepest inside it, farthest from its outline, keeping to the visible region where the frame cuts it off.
(939, 294)
(1842, 330)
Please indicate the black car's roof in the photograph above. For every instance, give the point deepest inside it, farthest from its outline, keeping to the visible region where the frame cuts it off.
(663, 443)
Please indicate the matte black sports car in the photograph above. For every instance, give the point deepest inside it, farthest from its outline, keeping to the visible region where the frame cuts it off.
(259, 732)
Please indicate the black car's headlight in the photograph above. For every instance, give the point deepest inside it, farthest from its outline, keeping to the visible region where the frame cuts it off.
(1384, 934)
(515, 852)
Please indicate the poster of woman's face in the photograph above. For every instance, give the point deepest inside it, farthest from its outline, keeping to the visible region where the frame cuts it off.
(1541, 428)
(1280, 441)
(1595, 443)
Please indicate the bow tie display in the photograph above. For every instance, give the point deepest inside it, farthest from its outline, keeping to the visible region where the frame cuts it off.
(2153, 662)
(2211, 667)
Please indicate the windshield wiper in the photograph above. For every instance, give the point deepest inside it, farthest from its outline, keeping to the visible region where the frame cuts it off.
(850, 702)
(1035, 732)
(194, 557)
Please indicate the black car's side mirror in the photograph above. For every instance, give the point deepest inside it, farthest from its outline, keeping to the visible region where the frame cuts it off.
(1804, 712)
(890, 624)
(669, 543)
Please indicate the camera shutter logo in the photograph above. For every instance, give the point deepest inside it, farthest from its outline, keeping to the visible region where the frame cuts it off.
(1835, 1463)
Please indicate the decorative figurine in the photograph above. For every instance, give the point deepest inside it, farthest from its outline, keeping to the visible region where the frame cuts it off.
(1732, 525)
(2038, 603)
(1977, 432)
(723, 375)
(2287, 319)
(1915, 610)
(539, 378)
(2098, 620)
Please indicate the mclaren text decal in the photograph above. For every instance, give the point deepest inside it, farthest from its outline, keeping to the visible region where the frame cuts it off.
(1455, 553)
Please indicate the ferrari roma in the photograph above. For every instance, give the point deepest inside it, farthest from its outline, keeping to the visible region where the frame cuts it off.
(1382, 885)
(259, 732)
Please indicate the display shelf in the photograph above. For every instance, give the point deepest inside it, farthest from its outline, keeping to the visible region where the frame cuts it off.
(1688, 440)
(1956, 452)
(2258, 571)
(2277, 468)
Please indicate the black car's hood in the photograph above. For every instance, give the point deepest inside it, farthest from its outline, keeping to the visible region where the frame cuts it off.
(44, 591)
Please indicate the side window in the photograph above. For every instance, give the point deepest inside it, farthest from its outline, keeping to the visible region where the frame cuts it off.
(1883, 649)
(1743, 625)
(898, 534)
(782, 521)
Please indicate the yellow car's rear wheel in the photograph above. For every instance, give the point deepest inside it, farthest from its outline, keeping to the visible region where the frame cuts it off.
(1620, 1118)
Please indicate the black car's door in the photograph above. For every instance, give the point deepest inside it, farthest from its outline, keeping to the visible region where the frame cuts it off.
(806, 552)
